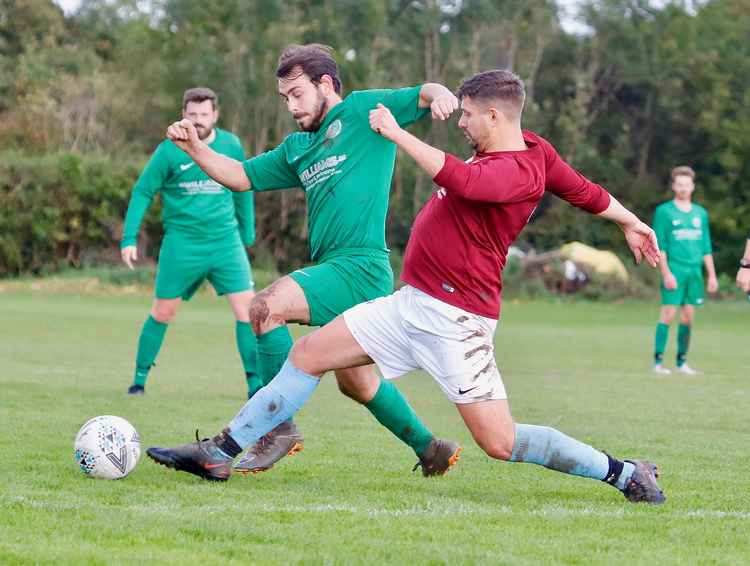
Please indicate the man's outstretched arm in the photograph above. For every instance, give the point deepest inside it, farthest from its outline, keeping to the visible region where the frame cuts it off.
(640, 237)
(222, 169)
(427, 157)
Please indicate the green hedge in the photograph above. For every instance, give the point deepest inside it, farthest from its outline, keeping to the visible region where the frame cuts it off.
(61, 209)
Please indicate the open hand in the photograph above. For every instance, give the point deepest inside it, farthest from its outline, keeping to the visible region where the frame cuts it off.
(129, 254)
(641, 240)
(712, 285)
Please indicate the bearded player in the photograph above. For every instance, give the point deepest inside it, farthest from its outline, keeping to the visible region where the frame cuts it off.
(206, 230)
(345, 170)
(444, 318)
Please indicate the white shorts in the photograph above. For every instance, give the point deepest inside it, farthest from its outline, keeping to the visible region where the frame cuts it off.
(410, 330)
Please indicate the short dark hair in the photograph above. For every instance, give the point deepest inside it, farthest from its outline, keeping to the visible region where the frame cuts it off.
(498, 84)
(682, 170)
(314, 59)
(199, 94)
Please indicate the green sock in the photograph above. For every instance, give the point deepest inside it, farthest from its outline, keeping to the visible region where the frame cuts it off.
(273, 350)
(660, 343)
(149, 344)
(393, 411)
(683, 343)
(247, 346)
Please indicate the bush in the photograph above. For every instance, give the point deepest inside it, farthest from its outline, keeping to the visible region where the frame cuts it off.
(56, 208)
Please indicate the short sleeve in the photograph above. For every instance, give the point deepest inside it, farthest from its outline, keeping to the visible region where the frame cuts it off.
(271, 170)
(402, 102)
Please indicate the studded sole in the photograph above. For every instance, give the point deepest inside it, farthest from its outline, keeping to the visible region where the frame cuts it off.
(298, 446)
(453, 459)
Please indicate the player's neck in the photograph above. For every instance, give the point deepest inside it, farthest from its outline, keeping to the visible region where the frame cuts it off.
(684, 204)
(331, 103)
(210, 138)
(509, 138)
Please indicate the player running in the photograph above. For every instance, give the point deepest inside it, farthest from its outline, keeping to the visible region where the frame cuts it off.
(685, 242)
(206, 229)
(444, 318)
(345, 170)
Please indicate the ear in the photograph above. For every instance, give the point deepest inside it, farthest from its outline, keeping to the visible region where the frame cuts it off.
(327, 82)
(494, 114)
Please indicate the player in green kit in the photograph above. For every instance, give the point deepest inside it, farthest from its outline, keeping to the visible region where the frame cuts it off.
(345, 170)
(682, 229)
(206, 229)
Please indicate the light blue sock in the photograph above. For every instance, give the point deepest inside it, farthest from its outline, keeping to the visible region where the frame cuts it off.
(554, 450)
(272, 404)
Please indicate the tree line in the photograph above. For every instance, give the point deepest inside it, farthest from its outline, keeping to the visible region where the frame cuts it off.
(85, 97)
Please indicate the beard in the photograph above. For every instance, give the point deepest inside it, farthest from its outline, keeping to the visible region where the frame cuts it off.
(472, 142)
(317, 115)
(203, 131)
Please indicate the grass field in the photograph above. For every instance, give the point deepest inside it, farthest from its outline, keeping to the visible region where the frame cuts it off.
(350, 497)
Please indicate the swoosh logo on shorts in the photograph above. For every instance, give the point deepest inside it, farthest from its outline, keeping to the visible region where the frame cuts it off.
(464, 391)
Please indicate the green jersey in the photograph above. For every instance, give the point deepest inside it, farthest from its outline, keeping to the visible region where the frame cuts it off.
(684, 236)
(345, 169)
(194, 205)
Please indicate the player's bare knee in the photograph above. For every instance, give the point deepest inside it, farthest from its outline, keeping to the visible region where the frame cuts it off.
(163, 313)
(302, 357)
(498, 449)
(259, 314)
(667, 315)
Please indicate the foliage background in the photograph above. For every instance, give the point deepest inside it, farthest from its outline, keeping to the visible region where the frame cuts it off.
(85, 97)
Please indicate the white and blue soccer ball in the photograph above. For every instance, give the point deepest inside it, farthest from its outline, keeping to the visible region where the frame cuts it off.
(107, 447)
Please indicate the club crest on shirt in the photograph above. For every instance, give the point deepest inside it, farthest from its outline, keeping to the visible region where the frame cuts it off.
(696, 222)
(333, 130)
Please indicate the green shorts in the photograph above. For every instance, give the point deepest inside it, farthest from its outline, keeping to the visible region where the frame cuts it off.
(185, 263)
(689, 289)
(338, 283)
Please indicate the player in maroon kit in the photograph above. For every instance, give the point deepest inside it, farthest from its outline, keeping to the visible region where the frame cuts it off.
(444, 318)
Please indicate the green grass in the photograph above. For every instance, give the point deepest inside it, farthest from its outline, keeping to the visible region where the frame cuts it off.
(350, 496)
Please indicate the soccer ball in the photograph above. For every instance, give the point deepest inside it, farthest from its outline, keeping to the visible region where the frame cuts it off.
(107, 447)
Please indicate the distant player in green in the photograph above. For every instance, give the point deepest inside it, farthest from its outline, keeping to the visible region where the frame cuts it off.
(682, 229)
(206, 229)
(345, 170)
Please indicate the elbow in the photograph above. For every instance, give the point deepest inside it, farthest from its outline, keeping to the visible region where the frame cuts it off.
(240, 184)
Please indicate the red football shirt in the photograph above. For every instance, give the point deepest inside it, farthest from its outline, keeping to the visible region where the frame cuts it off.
(460, 238)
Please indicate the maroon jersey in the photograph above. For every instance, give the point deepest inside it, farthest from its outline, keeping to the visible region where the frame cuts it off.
(460, 238)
